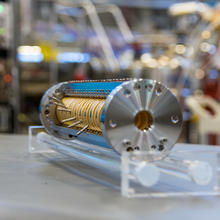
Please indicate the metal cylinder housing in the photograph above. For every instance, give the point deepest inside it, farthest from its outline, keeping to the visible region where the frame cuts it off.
(125, 115)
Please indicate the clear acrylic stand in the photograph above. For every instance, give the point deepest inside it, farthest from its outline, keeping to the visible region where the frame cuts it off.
(135, 174)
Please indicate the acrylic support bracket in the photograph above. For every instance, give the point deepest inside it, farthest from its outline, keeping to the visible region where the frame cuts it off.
(181, 173)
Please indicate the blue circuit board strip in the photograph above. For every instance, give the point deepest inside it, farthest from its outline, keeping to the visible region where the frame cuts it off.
(94, 86)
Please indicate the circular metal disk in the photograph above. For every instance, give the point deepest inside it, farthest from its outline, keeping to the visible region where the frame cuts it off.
(142, 115)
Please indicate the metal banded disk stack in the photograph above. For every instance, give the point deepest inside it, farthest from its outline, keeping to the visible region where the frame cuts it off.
(84, 113)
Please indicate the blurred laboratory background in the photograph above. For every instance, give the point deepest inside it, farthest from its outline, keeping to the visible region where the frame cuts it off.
(43, 42)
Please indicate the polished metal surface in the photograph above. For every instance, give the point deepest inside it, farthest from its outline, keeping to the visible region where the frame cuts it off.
(135, 96)
(48, 109)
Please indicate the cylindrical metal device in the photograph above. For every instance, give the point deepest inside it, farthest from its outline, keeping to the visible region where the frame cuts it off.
(136, 114)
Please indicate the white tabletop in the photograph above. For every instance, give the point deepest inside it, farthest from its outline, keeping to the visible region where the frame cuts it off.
(33, 188)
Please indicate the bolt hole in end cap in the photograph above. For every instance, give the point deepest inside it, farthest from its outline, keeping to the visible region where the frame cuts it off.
(143, 112)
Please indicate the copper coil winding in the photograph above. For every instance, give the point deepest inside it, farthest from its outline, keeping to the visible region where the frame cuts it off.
(85, 111)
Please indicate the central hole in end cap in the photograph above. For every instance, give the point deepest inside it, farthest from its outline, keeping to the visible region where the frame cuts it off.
(143, 120)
